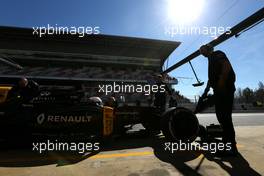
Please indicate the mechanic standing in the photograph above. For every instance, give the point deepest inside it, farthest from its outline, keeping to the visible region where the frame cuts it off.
(221, 78)
(160, 96)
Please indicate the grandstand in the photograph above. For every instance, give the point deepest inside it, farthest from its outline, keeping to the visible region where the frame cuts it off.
(84, 61)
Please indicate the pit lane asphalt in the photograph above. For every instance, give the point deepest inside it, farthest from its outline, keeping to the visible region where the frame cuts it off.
(144, 156)
(239, 119)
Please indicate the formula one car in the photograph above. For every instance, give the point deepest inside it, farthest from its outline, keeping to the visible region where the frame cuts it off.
(63, 114)
(53, 112)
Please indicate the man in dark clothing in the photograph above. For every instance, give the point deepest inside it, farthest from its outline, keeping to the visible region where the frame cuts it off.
(222, 80)
(25, 89)
(173, 99)
(160, 96)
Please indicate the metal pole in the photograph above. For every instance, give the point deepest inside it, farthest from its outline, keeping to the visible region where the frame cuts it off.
(251, 20)
(194, 72)
(17, 66)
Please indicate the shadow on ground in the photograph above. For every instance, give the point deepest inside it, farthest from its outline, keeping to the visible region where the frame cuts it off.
(238, 165)
(25, 157)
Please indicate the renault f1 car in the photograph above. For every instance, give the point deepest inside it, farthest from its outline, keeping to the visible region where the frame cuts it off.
(62, 114)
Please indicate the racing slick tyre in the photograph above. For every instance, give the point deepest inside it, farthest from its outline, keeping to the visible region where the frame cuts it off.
(180, 124)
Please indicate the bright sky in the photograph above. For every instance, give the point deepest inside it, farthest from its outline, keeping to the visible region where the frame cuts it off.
(150, 19)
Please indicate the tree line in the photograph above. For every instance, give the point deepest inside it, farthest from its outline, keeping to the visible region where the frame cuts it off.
(250, 96)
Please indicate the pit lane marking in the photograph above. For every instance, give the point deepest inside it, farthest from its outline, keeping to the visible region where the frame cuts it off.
(118, 155)
(146, 153)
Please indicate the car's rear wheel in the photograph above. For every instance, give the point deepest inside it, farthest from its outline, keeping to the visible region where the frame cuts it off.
(180, 124)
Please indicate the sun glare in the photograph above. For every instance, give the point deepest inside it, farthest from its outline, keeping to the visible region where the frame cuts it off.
(184, 11)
